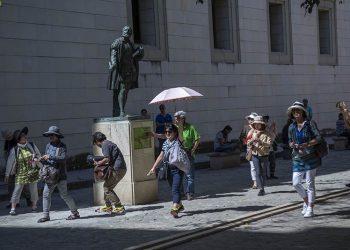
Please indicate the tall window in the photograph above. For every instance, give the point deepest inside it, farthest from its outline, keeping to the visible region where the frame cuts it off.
(279, 31)
(327, 33)
(147, 20)
(144, 22)
(224, 34)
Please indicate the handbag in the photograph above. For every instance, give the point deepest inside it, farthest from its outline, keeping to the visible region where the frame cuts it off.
(249, 155)
(178, 157)
(50, 174)
(102, 173)
(163, 172)
(322, 148)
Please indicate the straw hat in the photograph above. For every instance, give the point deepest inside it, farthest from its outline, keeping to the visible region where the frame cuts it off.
(251, 116)
(296, 105)
(258, 119)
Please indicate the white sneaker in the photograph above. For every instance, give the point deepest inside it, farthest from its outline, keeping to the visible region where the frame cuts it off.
(13, 212)
(309, 212)
(304, 209)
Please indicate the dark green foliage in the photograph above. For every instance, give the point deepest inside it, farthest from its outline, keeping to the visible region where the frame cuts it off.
(308, 5)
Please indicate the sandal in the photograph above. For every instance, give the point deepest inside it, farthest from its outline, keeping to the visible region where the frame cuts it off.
(176, 210)
(44, 219)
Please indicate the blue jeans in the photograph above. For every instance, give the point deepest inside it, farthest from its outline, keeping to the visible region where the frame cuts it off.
(260, 165)
(175, 182)
(190, 177)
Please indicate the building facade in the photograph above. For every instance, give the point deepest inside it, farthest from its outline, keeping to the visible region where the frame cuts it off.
(242, 55)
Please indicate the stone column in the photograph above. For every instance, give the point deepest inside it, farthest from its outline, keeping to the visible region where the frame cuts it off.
(130, 134)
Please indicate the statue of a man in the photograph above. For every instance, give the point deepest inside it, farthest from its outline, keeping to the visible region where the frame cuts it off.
(123, 70)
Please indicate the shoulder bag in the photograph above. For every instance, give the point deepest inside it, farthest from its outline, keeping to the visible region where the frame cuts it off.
(178, 157)
(50, 174)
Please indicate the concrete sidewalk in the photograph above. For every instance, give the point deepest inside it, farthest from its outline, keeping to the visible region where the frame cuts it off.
(220, 195)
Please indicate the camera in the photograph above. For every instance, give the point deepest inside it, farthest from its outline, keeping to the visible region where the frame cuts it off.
(90, 159)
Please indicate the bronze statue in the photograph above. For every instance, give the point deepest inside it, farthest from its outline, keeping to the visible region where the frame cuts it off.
(123, 70)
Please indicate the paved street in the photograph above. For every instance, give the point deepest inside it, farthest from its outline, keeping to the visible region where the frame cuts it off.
(329, 229)
(221, 195)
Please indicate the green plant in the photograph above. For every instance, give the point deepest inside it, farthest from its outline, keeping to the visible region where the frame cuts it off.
(308, 5)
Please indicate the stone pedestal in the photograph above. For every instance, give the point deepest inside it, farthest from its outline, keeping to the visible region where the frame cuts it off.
(130, 134)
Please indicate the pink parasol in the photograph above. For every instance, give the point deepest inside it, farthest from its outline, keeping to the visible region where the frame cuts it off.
(173, 94)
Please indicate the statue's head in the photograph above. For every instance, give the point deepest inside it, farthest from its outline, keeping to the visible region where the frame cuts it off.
(127, 31)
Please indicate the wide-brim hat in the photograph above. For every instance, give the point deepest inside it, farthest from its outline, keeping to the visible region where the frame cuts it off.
(258, 120)
(296, 105)
(251, 116)
(17, 133)
(53, 130)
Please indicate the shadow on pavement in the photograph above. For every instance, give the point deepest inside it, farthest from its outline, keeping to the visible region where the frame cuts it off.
(321, 238)
(218, 210)
(75, 238)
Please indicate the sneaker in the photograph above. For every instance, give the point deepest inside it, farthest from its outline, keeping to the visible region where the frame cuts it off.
(105, 208)
(309, 212)
(34, 209)
(13, 212)
(304, 208)
(261, 192)
(273, 177)
(44, 219)
(119, 209)
(73, 216)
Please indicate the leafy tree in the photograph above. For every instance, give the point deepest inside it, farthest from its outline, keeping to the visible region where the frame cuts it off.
(308, 5)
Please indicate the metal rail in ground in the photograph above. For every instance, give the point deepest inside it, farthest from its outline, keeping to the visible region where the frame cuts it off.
(187, 236)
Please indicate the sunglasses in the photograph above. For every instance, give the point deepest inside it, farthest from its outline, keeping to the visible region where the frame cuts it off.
(169, 131)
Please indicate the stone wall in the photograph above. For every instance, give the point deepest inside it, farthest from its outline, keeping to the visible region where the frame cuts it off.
(54, 54)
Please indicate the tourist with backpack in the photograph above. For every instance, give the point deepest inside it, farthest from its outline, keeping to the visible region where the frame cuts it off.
(55, 158)
(9, 143)
(23, 163)
(303, 136)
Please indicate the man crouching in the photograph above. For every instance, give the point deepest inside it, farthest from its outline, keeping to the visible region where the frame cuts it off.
(116, 171)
